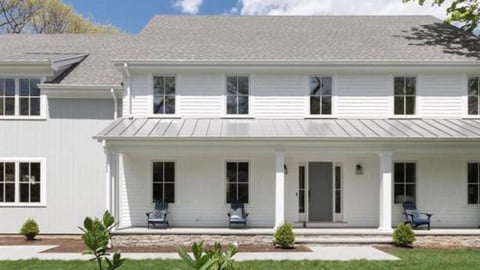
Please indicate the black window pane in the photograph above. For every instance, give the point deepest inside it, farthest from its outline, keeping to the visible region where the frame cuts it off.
(2, 87)
(231, 193)
(2, 100)
(9, 192)
(398, 193)
(301, 176)
(399, 85)
(158, 172)
(231, 172)
(24, 172)
(315, 86)
(170, 193)
(243, 193)
(326, 86)
(473, 173)
(24, 192)
(338, 178)
(157, 192)
(410, 172)
(10, 87)
(243, 105)
(473, 86)
(1, 172)
(410, 105)
(10, 172)
(170, 104)
(473, 105)
(410, 192)
(411, 85)
(399, 172)
(231, 104)
(9, 106)
(35, 171)
(326, 105)
(157, 104)
(169, 172)
(170, 85)
(338, 201)
(158, 86)
(301, 201)
(243, 172)
(243, 85)
(35, 193)
(34, 106)
(24, 106)
(399, 105)
(314, 105)
(24, 87)
(34, 90)
(232, 86)
(2, 197)
(472, 194)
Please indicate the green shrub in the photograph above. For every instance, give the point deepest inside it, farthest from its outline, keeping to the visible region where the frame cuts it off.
(403, 236)
(214, 259)
(96, 236)
(30, 229)
(284, 236)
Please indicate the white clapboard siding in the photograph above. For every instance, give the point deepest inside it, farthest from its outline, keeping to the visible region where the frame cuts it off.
(442, 95)
(200, 95)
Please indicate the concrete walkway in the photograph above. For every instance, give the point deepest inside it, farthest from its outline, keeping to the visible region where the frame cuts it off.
(341, 253)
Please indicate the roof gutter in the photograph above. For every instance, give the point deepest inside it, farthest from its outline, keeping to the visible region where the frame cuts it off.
(115, 104)
(129, 89)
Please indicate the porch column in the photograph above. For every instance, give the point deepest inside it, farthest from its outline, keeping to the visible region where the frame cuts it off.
(279, 188)
(108, 181)
(385, 216)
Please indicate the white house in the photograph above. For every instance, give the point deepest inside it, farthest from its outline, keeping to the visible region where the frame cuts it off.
(329, 120)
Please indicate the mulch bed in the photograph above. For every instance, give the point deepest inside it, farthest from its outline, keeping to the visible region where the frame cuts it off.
(75, 244)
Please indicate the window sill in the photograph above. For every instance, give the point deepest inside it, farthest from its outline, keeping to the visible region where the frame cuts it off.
(164, 116)
(246, 116)
(23, 205)
(409, 117)
(472, 117)
(23, 118)
(326, 116)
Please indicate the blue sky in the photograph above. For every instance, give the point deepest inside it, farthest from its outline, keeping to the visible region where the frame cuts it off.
(131, 15)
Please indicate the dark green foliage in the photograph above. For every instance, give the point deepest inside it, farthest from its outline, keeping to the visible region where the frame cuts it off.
(96, 236)
(403, 236)
(30, 229)
(210, 259)
(284, 236)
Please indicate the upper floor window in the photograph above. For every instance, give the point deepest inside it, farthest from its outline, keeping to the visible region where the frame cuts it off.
(19, 97)
(164, 94)
(237, 94)
(21, 182)
(320, 95)
(405, 89)
(473, 96)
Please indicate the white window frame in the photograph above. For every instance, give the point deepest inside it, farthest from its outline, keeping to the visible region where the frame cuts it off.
(226, 180)
(333, 112)
(466, 115)
(43, 181)
(393, 178)
(175, 182)
(418, 99)
(43, 99)
(250, 96)
(151, 113)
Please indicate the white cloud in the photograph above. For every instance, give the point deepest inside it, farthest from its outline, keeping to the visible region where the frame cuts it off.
(337, 7)
(188, 6)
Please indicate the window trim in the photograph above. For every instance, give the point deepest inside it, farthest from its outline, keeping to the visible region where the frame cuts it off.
(251, 98)
(43, 181)
(43, 99)
(466, 115)
(418, 99)
(174, 183)
(333, 113)
(151, 113)
(226, 182)
(393, 178)
(467, 183)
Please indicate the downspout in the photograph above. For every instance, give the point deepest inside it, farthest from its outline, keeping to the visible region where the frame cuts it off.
(115, 104)
(129, 92)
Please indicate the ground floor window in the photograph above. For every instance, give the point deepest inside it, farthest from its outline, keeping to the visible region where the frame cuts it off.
(473, 183)
(404, 174)
(301, 189)
(164, 181)
(338, 189)
(237, 181)
(21, 181)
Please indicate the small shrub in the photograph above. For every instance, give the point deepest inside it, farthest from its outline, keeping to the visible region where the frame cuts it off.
(403, 236)
(214, 259)
(284, 236)
(30, 229)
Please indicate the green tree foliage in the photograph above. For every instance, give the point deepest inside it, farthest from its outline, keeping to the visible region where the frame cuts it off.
(284, 236)
(46, 16)
(210, 259)
(30, 229)
(403, 236)
(465, 12)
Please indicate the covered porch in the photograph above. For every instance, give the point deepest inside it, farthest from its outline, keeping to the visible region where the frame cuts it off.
(281, 171)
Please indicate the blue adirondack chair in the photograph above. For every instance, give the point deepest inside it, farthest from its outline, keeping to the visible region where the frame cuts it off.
(237, 214)
(415, 217)
(159, 215)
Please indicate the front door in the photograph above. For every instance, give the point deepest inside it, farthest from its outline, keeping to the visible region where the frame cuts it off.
(320, 178)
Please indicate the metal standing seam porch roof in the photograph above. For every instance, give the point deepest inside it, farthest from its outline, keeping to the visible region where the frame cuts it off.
(291, 129)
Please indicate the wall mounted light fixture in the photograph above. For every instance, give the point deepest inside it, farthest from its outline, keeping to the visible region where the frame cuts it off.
(358, 169)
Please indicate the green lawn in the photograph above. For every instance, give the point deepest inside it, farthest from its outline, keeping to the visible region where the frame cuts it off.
(411, 259)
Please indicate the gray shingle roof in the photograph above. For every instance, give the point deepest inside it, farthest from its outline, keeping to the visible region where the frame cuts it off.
(285, 129)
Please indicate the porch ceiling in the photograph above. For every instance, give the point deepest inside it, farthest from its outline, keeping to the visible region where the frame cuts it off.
(291, 129)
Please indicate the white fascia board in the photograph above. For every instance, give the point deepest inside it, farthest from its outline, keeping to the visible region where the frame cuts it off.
(81, 91)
